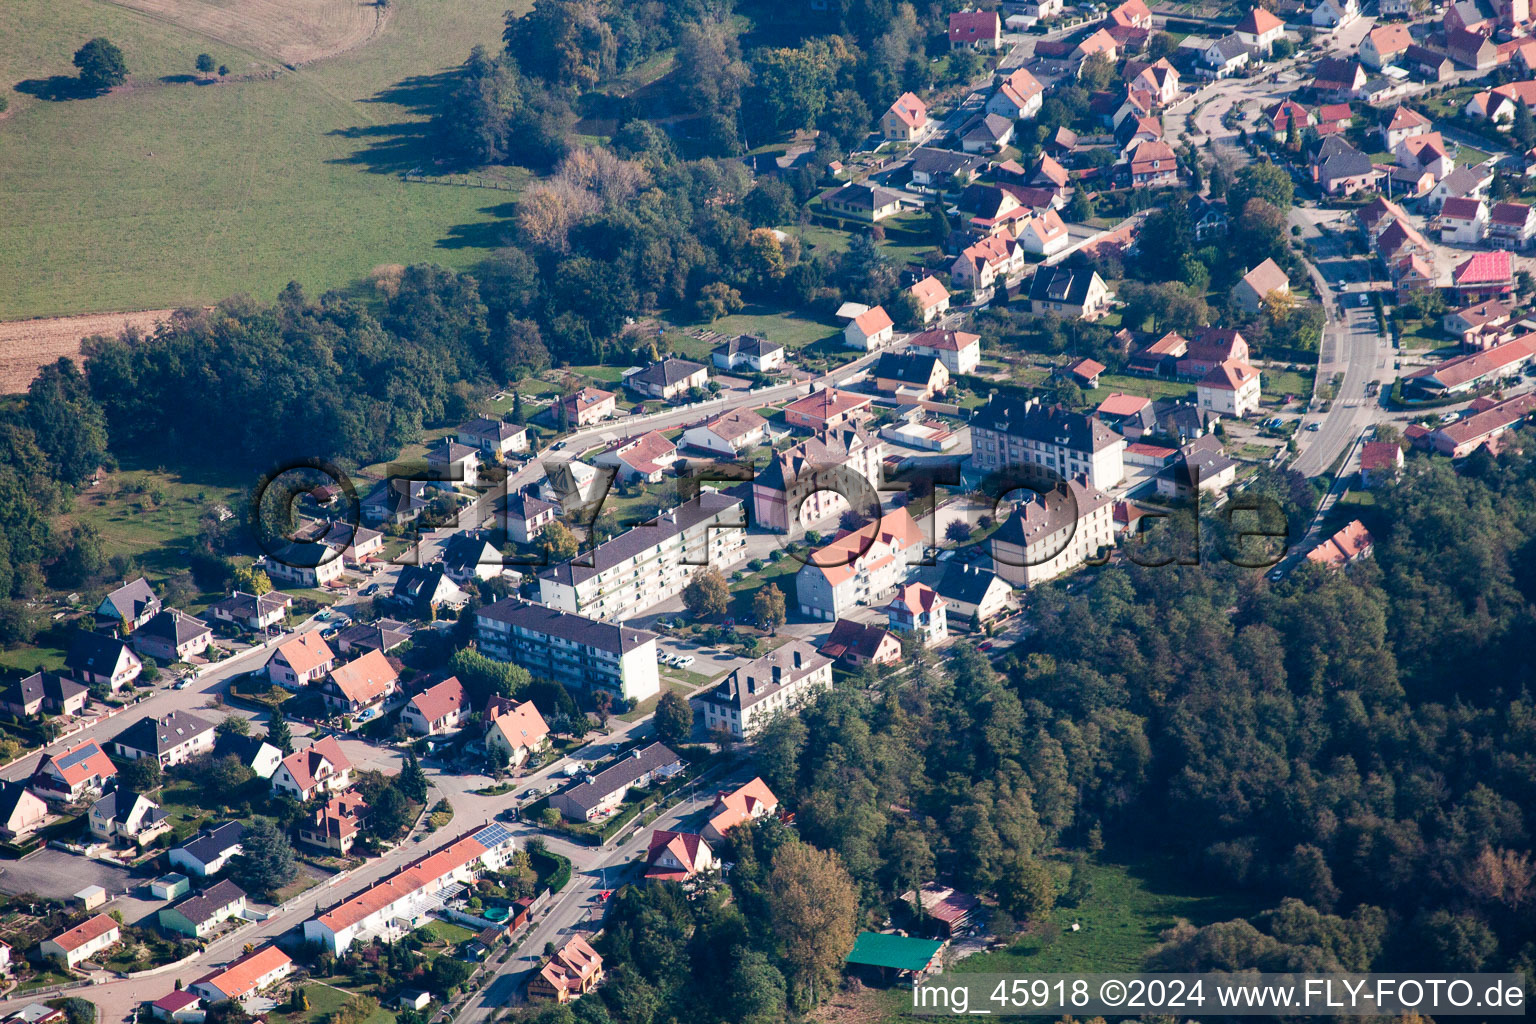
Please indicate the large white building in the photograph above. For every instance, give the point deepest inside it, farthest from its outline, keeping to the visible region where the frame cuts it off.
(571, 648)
(780, 681)
(1016, 433)
(401, 902)
(858, 567)
(1231, 388)
(638, 569)
(1047, 536)
(817, 478)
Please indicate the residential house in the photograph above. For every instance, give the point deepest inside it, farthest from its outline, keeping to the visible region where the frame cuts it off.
(1338, 79)
(1076, 292)
(67, 776)
(854, 644)
(574, 649)
(251, 612)
(1351, 544)
(1471, 49)
(1085, 372)
(816, 479)
(1018, 96)
(171, 739)
(208, 852)
(728, 434)
(172, 636)
(493, 437)
(910, 377)
(359, 685)
(128, 607)
(827, 409)
(254, 752)
(1129, 415)
(1160, 79)
(1260, 29)
(869, 330)
(21, 810)
(740, 806)
(1099, 42)
(1131, 20)
(1341, 169)
(420, 590)
(1044, 234)
(677, 856)
(524, 516)
(1480, 317)
(335, 826)
(944, 169)
(1463, 221)
(1231, 388)
(1260, 283)
(179, 1007)
(1462, 183)
(453, 463)
(199, 916)
(932, 297)
(861, 201)
(587, 406)
(439, 709)
(1384, 44)
(1404, 124)
(778, 682)
(1464, 373)
(985, 263)
(1052, 533)
(94, 658)
(1395, 8)
(631, 573)
(858, 566)
(82, 941)
(974, 594)
(1487, 275)
(959, 351)
(1208, 217)
(1133, 131)
(1153, 164)
(987, 133)
(975, 30)
(1008, 432)
(569, 483)
(244, 977)
(1279, 118)
(1425, 152)
(918, 609)
(643, 459)
(402, 902)
(468, 557)
(1486, 420)
(598, 795)
(1334, 14)
(1511, 225)
(1048, 174)
(1225, 56)
(1198, 467)
(574, 970)
(668, 379)
(950, 911)
(300, 660)
(748, 352)
(1215, 345)
(1380, 461)
(314, 564)
(1334, 118)
(44, 693)
(319, 768)
(384, 635)
(1427, 64)
(515, 727)
(905, 120)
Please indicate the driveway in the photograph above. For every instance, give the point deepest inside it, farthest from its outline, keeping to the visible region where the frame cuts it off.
(57, 874)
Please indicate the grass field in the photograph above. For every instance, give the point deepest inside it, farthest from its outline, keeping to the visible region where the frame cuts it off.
(150, 515)
(1151, 387)
(174, 193)
(791, 330)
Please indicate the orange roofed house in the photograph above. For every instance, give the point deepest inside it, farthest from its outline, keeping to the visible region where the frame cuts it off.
(573, 971)
(588, 406)
(1350, 544)
(335, 826)
(300, 660)
(746, 803)
(241, 979)
(827, 409)
(82, 941)
(857, 643)
(975, 30)
(677, 856)
(869, 330)
(906, 118)
(319, 768)
(918, 609)
(73, 773)
(1260, 29)
(403, 901)
(438, 709)
(858, 567)
(516, 728)
(360, 685)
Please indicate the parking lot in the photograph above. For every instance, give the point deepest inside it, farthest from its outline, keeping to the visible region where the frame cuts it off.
(57, 874)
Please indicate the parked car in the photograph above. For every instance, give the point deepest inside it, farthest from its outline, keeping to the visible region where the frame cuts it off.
(1314, 426)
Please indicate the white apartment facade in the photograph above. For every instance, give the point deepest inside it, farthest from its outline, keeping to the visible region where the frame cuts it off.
(779, 682)
(575, 649)
(1047, 536)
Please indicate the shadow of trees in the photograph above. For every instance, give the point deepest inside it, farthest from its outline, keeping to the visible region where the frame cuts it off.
(58, 88)
(402, 145)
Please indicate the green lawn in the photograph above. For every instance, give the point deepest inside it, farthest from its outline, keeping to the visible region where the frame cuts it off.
(449, 933)
(1285, 382)
(151, 516)
(1151, 387)
(645, 707)
(792, 330)
(173, 194)
(1467, 156)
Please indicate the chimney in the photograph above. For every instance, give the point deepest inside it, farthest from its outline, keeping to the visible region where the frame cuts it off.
(797, 659)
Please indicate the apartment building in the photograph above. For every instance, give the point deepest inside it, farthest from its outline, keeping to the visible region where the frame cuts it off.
(781, 680)
(1014, 433)
(401, 902)
(1051, 534)
(574, 649)
(806, 480)
(637, 570)
(859, 566)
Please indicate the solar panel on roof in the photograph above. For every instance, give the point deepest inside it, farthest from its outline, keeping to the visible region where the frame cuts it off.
(70, 760)
(492, 836)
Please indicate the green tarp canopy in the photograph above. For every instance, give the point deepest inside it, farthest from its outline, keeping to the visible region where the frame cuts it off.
(879, 950)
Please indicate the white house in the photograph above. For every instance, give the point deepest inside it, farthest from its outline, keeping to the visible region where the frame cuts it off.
(869, 330)
(729, 433)
(244, 977)
(82, 941)
(1231, 388)
(1334, 14)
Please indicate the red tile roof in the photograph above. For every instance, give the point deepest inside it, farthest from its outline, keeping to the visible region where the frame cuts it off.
(1380, 455)
(306, 652)
(240, 977)
(304, 764)
(750, 800)
(929, 293)
(689, 848)
(1229, 375)
(912, 111)
(1118, 404)
(440, 700)
(366, 679)
(519, 723)
(85, 931)
(1258, 21)
(1484, 268)
(973, 26)
(873, 321)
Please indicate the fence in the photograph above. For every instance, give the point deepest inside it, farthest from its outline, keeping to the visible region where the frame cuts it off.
(461, 180)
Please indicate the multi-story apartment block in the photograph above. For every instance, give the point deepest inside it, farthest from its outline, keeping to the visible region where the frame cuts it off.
(1014, 433)
(573, 649)
(779, 681)
(859, 566)
(804, 480)
(1051, 534)
(637, 570)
